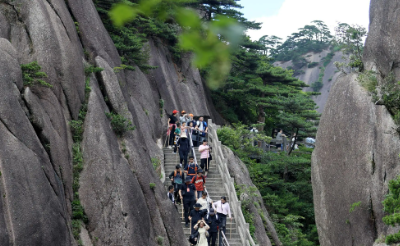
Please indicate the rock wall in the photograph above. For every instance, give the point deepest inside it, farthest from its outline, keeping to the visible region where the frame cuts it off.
(358, 147)
(311, 75)
(36, 173)
(261, 219)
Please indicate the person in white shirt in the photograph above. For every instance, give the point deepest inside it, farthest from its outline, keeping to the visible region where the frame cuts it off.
(203, 202)
(223, 210)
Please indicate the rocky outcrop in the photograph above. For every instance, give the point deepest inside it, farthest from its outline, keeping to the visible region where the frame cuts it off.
(382, 46)
(356, 156)
(252, 198)
(358, 147)
(36, 171)
(311, 75)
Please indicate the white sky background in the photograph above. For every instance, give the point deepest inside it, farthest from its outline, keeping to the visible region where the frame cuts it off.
(295, 14)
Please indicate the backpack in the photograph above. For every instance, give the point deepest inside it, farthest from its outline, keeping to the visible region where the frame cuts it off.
(194, 237)
(195, 168)
(204, 124)
(178, 180)
(195, 178)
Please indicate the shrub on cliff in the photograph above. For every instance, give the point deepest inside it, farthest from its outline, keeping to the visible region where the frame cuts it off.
(31, 75)
(391, 206)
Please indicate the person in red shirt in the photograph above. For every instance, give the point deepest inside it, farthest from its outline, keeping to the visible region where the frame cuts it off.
(199, 182)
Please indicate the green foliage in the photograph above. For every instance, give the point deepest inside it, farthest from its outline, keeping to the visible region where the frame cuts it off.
(328, 58)
(351, 40)
(317, 85)
(120, 124)
(314, 37)
(391, 206)
(160, 240)
(368, 80)
(123, 67)
(388, 93)
(312, 64)
(152, 186)
(78, 213)
(157, 166)
(31, 75)
(203, 39)
(92, 69)
(161, 105)
(77, 129)
(77, 27)
(354, 206)
(284, 183)
(251, 196)
(156, 162)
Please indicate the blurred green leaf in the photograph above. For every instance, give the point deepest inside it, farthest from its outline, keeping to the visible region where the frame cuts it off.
(122, 13)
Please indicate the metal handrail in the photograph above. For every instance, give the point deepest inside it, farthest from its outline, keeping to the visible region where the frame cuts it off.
(224, 240)
(195, 160)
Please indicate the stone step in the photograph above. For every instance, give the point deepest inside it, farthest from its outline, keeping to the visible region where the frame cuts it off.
(215, 187)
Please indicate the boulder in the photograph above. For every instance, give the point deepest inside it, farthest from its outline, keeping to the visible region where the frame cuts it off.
(356, 155)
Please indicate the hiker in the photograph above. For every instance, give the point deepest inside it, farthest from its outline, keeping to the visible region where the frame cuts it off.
(188, 195)
(213, 221)
(201, 125)
(254, 132)
(172, 120)
(223, 210)
(191, 168)
(190, 118)
(193, 133)
(280, 137)
(177, 133)
(171, 193)
(293, 140)
(184, 117)
(203, 202)
(177, 177)
(204, 149)
(184, 148)
(184, 128)
(202, 228)
(195, 215)
(199, 182)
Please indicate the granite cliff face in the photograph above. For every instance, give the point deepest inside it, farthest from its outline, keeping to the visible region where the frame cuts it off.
(36, 174)
(311, 75)
(358, 145)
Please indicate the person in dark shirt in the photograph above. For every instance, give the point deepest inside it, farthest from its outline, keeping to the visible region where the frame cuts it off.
(184, 148)
(191, 168)
(195, 215)
(213, 221)
(188, 195)
(170, 194)
(172, 120)
(177, 177)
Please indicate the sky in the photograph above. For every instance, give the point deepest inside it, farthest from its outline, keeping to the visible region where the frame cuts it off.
(284, 17)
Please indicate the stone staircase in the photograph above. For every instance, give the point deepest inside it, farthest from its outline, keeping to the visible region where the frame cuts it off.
(215, 188)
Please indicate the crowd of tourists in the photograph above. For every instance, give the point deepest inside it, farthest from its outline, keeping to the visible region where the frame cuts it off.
(205, 218)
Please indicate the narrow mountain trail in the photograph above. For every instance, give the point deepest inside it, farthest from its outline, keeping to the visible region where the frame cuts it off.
(215, 188)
